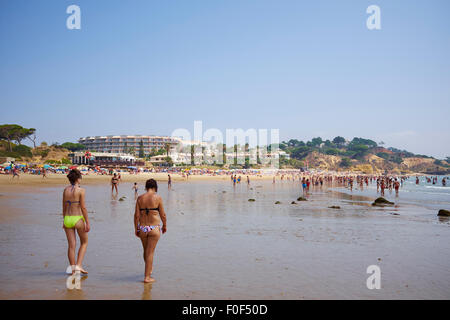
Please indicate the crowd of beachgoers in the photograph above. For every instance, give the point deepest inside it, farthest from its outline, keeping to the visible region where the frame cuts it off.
(307, 178)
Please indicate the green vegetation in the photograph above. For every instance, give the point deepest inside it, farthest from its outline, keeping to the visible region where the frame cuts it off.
(14, 132)
(17, 151)
(63, 161)
(345, 163)
(356, 149)
(23, 150)
(141, 149)
(72, 146)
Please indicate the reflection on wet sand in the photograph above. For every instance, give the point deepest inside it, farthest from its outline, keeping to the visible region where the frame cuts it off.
(147, 293)
(75, 293)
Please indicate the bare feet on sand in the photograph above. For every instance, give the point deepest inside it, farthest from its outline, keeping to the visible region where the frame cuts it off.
(149, 280)
(80, 268)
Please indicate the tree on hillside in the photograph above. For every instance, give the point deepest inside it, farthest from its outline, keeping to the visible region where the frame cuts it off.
(300, 152)
(315, 142)
(360, 150)
(32, 137)
(14, 132)
(339, 141)
(23, 133)
(360, 141)
(73, 146)
(345, 163)
(295, 143)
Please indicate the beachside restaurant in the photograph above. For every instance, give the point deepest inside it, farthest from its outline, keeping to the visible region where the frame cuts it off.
(104, 159)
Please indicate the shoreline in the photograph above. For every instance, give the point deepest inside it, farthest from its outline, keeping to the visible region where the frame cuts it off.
(56, 179)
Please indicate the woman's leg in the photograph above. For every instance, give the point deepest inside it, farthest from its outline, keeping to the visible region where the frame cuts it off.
(153, 237)
(83, 243)
(144, 241)
(72, 242)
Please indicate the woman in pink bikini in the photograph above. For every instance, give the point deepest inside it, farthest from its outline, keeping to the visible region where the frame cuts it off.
(147, 218)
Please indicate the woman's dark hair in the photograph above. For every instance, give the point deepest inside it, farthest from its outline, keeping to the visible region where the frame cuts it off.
(74, 175)
(151, 184)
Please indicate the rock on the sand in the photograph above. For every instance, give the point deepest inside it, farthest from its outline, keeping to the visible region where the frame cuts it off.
(444, 213)
(301, 199)
(381, 202)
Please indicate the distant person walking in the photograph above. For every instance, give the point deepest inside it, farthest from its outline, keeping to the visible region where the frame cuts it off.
(15, 173)
(135, 188)
(396, 187)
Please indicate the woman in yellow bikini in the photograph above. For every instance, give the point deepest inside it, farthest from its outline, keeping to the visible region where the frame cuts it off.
(75, 218)
(148, 214)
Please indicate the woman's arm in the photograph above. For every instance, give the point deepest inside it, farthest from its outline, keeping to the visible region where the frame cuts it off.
(137, 215)
(64, 205)
(84, 211)
(162, 214)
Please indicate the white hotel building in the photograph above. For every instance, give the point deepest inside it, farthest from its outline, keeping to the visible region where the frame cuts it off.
(124, 144)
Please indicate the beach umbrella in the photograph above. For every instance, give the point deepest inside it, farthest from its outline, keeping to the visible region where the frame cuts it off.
(72, 167)
(62, 167)
(47, 166)
(5, 164)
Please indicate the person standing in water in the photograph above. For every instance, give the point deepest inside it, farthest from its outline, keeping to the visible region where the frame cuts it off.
(396, 186)
(135, 188)
(169, 181)
(148, 214)
(114, 182)
(75, 218)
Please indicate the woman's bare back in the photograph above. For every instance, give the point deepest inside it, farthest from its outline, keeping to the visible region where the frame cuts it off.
(71, 198)
(149, 204)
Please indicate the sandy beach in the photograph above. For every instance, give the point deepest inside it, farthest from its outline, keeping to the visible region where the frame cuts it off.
(221, 246)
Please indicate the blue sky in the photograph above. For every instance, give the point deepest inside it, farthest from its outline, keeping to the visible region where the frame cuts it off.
(307, 68)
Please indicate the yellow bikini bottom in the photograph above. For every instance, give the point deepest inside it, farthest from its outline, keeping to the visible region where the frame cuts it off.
(71, 221)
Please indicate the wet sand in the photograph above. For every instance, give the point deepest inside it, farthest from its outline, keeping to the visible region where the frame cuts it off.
(221, 246)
